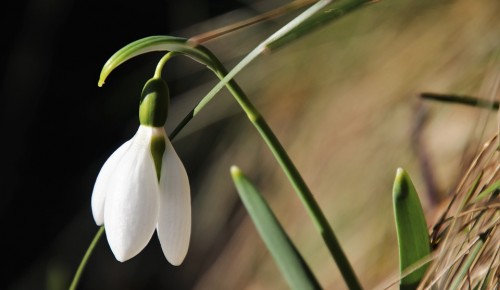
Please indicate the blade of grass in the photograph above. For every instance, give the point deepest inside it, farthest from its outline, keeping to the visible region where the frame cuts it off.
(471, 190)
(332, 12)
(294, 268)
(280, 11)
(485, 193)
(464, 269)
(463, 100)
(490, 273)
(413, 236)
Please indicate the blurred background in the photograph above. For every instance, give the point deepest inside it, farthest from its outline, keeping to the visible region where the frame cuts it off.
(343, 100)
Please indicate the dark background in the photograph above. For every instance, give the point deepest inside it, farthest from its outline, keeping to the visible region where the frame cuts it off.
(58, 129)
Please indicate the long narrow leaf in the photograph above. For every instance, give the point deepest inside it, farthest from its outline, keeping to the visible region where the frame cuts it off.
(463, 100)
(464, 269)
(334, 11)
(290, 262)
(495, 187)
(413, 236)
(156, 43)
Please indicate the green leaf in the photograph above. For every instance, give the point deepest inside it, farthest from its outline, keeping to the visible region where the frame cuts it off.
(413, 236)
(486, 193)
(459, 279)
(334, 11)
(157, 43)
(290, 262)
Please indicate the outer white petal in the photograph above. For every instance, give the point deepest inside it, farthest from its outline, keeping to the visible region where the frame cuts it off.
(174, 221)
(132, 201)
(102, 181)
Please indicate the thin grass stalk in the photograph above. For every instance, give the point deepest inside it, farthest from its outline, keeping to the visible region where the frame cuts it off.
(464, 269)
(488, 277)
(83, 263)
(450, 265)
(462, 100)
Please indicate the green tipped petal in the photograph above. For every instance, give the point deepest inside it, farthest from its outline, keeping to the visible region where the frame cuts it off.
(155, 99)
(413, 235)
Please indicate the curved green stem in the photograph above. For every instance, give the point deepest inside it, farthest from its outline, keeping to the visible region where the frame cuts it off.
(303, 191)
(85, 259)
(162, 62)
(299, 185)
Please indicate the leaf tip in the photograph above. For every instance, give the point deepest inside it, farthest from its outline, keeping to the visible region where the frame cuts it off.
(401, 184)
(235, 171)
(102, 77)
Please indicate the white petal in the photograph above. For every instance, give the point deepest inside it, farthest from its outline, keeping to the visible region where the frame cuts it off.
(174, 221)
(102, 181)
(132, 201)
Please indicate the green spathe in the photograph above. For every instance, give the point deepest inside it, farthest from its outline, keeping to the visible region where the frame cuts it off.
(153, 109)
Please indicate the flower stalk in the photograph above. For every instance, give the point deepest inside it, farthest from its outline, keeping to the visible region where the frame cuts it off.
(298, 183)
(86, 257)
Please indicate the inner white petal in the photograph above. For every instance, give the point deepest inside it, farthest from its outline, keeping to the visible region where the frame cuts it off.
(174, 221)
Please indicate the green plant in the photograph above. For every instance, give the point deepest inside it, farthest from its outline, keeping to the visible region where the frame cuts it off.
(414, 244)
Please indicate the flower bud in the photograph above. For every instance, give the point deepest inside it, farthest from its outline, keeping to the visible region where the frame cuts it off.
(153, 109)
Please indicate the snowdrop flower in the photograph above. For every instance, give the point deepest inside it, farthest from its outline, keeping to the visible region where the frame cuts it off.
(143, 186)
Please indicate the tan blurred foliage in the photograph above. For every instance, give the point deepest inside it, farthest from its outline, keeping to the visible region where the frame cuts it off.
(344, 101)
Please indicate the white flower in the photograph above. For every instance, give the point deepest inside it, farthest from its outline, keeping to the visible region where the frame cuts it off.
(131, 200)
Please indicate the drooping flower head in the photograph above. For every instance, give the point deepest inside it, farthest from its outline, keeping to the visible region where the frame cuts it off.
(143, 186)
